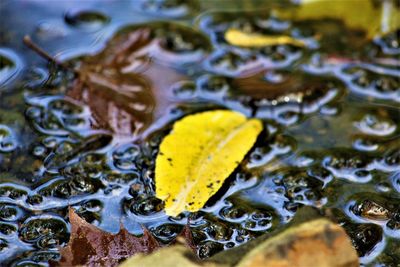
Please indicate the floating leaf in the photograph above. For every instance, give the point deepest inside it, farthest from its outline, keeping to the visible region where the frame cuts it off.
(239, 38)
(126, 85)
(199, 154)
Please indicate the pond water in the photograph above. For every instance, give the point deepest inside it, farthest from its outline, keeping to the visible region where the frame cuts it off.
(330, 109)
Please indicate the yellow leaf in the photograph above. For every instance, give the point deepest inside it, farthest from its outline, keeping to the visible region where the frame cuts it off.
(375, 17)
(201, 151)
(239, 38)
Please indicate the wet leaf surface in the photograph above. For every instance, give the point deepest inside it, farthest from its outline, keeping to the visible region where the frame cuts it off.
(197, 156)
(91, 246)
(239, 38)
(127, 85)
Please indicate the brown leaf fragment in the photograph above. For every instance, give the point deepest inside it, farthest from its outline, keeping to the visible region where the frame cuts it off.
(91, 246)
(299, 85)
(186, 238)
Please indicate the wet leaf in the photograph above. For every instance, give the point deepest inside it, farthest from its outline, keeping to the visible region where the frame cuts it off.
(236, 37)
(127, 84)
(91, 246)
(378, 17)
(201, 151)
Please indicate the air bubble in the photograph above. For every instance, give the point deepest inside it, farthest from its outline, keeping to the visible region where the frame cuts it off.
(86, 19)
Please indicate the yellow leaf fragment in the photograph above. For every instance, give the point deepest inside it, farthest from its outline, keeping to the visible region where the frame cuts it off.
(375, 17)
(201, 151)
(238, 38)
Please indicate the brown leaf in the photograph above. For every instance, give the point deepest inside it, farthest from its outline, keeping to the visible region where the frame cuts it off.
(255, 85)
(127, 85)
(186, 238)
(91, 246)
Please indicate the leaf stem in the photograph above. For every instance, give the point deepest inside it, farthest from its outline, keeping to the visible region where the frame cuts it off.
(41, 52)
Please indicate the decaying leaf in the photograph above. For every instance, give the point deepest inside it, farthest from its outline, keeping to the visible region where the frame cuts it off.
(378, 17)
(91, 246)
(238, 38)
(127, 84)
(201, 151)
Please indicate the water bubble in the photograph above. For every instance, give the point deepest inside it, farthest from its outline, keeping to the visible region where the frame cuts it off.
(371, 210)
(233, 214)
(7, 229)
(219, 231)
(365, 145)
(184, 90)
(209, 248)
(12, 191)
(371, 80)
(365, 237)
(9, 212)
(146, 207)
(45, 231)
(395, 178)
(167, 232)
(7, 139)
(348, 165)
(10, 67)
(231, 63)
(39, 151)
(34, 199)
(86, 19)
(389, 43)
(372, 125)
(3, 244)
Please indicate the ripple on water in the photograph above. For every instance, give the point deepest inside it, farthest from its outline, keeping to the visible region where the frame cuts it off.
(8, 141)
(10, 67)
(371, 80)
(378, 210)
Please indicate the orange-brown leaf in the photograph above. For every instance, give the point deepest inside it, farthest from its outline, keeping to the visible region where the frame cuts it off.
(91, 246)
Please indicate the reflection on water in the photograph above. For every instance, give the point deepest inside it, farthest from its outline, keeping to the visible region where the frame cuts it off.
(88, 138)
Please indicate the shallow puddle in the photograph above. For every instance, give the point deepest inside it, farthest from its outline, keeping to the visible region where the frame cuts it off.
(330, 108)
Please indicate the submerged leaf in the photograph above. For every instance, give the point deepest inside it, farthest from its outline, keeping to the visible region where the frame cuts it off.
(199, 154)
(239, 38)
(127, 84)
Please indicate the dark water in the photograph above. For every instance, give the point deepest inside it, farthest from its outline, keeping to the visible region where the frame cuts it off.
(330, 109)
